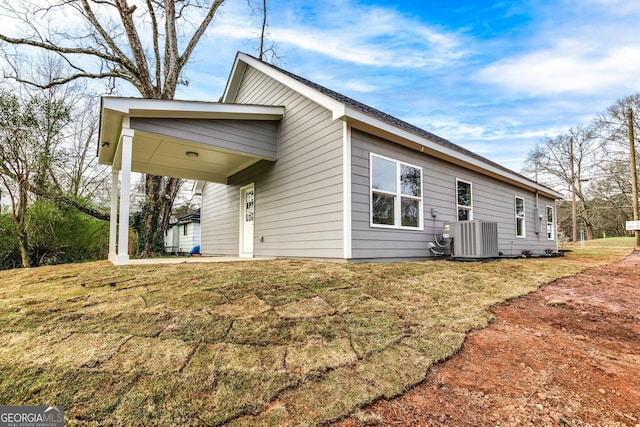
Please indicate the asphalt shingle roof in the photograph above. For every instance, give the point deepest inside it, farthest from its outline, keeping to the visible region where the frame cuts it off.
(394, 121)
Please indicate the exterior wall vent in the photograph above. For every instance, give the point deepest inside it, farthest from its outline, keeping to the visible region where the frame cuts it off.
(474, 239)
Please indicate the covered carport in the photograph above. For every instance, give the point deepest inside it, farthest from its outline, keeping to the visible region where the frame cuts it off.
(204, 141)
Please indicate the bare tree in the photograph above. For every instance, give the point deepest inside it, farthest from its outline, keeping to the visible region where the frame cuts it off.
(147, 44)
(612, 124)
(266, 50)
(74, 165)
(612, 128)
(568, 158)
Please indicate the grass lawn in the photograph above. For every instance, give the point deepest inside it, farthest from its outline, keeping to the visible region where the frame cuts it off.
(283, 342)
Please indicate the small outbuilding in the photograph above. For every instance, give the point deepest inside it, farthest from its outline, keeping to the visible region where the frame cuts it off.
(183, 233)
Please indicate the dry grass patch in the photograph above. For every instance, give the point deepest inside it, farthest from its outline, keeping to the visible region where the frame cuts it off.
(149, 355)
(271, 329)
(80, 350)
(375, 331)
(243, 308)
(284, 342)
(306, 308)
(196, 326)
(234, 357)
(275, 415)
(317, 356)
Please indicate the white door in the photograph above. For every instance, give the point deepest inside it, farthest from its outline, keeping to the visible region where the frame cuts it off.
(247, 210)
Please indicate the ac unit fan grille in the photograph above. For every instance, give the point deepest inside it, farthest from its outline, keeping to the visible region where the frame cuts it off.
(475, 239)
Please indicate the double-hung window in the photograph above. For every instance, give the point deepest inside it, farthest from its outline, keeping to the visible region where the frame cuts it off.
(396, 193)
(520, 227)
(550, 224)
(464, 200)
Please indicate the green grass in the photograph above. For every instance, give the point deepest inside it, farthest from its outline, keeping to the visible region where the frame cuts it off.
(284, 342)
(625, 242)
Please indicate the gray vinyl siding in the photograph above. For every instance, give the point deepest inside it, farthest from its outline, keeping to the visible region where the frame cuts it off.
(493, 200)
(253, 137)
(220, 220)
(298, 198)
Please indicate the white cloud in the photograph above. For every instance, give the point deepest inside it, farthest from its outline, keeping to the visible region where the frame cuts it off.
(570, 66)
(358, 86)
(364, 35)
(614, 7)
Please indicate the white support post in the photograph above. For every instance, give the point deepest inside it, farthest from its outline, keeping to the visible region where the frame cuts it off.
(113, 220)
(346, 192)
(125, 186)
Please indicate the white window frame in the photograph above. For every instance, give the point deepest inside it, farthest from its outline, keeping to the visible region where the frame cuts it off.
(397, 194)
(459, 206)
(520, 218)
(551, 226)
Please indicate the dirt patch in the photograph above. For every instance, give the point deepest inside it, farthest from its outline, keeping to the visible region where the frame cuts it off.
(566, 355)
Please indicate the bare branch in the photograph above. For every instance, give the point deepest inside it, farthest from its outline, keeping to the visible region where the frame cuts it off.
(142, 67)
(60, 49)
(156, 44)
(121, 58)
(199, 32)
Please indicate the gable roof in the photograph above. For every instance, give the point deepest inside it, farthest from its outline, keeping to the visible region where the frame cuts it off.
(191, 216)
(374, 121)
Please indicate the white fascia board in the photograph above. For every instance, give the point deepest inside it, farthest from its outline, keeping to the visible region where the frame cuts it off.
(433, 148)
(337, 108)
(161, 108)
(234, 80)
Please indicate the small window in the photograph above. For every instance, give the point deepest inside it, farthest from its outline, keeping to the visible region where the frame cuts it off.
(520, 227)
(396, 193)
(464, 200)
(184, 230)
(550, 224)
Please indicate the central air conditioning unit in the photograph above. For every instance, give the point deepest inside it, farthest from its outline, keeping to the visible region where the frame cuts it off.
(474, 239)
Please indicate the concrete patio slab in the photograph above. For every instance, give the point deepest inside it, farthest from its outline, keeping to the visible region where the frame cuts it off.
(180, 260)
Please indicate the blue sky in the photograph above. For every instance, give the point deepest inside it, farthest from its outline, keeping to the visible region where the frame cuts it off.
(495, 77)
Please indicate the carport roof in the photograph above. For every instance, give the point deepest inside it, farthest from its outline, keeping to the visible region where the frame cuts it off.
(164, 154)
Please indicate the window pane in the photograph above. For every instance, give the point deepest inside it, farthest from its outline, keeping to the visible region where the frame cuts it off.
(549, 214)
(519, 207)
(410, 180)
(463, 214)
(248, 206)
(383, 209)
(519, 227)
(464, 193)
(410, 212)
(383, 175)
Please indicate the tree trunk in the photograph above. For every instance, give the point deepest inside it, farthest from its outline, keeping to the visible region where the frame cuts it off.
(20, 219)
(150, 215)
(160, 193)
(22, 243)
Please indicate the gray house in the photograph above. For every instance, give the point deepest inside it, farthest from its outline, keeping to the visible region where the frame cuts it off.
(288, 168)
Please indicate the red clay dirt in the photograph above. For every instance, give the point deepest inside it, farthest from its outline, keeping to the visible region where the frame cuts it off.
(566, 355)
